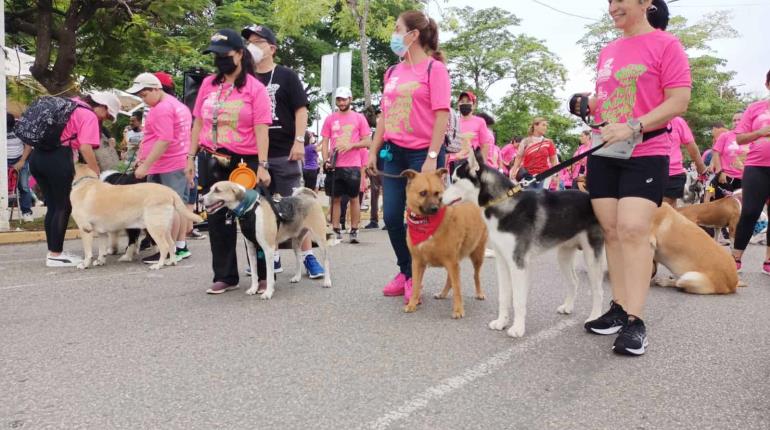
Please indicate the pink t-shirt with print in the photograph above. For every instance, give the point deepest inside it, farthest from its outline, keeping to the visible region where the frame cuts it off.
(732, 156)
(632, 75)
(575, 169)
(243, 109)
(169, 121)
(83, 123)
(346, 128)
(473, 129)
(508, 153)
(757, 116)
(410, 100)
(681, 135)
(493, 157)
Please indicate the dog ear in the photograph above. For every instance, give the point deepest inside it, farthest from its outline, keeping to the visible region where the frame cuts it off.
(239, 192)
(442, 172)
(409, 174)
(473, 163)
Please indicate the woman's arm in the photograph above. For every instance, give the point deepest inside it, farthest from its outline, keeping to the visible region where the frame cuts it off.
(675, 104)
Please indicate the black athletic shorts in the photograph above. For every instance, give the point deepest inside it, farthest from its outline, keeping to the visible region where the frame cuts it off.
(643, 177)
(347, 182)
(675, 186)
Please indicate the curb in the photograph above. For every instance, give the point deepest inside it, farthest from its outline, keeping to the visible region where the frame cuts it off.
(10, 237)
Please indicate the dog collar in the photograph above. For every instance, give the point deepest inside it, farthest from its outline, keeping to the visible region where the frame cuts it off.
(74, 184)
(421, 228)
(497, 200)
(249, 201)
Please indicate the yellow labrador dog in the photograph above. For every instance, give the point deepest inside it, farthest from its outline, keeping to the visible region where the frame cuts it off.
(100, 208)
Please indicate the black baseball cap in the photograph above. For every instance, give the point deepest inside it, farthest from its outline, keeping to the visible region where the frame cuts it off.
(224, 41)
(261, 31)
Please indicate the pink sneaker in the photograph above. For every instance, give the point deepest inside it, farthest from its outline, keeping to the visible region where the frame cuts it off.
(765, 268)
(737, 264)
(396, 286)
(408, 292)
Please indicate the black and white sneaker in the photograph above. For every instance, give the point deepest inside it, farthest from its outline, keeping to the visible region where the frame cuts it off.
(353, 236)
(611, 322)
(62, 260)
(338, 234)
(632, 340)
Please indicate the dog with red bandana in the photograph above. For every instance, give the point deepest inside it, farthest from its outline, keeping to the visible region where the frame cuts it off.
(441, 236)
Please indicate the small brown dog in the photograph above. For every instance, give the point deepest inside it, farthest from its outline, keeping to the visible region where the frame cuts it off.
(715, 214)
(441, 236)
(700, 265)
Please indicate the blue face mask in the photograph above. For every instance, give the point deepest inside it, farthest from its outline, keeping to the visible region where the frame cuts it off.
(397, 44)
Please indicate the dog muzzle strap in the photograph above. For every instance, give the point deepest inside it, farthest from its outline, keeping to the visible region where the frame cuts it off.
(249, 201)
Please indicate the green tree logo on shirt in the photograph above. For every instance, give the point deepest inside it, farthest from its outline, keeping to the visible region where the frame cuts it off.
(619, 107)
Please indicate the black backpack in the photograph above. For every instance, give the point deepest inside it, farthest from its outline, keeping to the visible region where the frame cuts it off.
(41, 125)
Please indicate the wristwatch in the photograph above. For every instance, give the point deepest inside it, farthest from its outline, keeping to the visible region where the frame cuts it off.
(433, 154)
(300, 139)
(264, 164)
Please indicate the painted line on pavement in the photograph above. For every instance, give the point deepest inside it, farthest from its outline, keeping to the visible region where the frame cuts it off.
(59, 281)
(470, 375)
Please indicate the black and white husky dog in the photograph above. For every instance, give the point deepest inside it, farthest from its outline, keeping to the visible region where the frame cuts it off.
(527, 223)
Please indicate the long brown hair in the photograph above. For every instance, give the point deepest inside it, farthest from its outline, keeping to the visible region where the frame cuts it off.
(428, 29)
(535, 122)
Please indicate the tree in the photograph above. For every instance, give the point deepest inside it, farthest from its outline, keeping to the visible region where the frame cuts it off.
(713, 98)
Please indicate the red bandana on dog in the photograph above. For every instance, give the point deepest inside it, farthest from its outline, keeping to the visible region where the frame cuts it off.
(421, 228)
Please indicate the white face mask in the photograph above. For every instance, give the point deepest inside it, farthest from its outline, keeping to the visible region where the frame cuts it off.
(255, 52)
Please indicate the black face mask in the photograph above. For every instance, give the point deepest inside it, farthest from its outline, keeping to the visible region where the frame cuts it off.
(465, 109)
(225, 65)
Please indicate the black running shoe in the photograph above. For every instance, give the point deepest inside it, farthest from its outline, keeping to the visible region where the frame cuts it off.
(632, 340)
(610, 323)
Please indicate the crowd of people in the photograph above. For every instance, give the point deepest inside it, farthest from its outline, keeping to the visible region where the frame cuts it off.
(254, 112)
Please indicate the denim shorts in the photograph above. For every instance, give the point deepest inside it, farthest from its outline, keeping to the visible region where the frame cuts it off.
(175, 180)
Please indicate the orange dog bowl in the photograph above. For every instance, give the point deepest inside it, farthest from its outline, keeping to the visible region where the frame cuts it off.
(244, 176)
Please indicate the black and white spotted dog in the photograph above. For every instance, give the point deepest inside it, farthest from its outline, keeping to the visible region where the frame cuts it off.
(528, 223)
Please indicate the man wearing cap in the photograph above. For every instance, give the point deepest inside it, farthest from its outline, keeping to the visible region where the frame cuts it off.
(473, 129)
(287, 133)
(163, 151)
(345, 135)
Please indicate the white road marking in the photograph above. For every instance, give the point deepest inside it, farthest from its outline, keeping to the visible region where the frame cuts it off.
(470, 375)
(59, 281)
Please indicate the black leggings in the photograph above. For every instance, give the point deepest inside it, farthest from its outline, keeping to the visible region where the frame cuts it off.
(756, 191)
(54, 171)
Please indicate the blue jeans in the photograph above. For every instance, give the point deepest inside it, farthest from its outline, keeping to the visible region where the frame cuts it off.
(394, 198)
(25, 195)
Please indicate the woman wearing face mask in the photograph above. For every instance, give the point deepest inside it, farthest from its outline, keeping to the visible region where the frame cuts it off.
(643, 82)
(232, 113)
(754, 130)
(54, 170)
(536, 152)
(473, 129)
(415, 112)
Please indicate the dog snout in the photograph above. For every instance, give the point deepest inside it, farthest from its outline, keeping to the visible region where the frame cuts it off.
(431, 209)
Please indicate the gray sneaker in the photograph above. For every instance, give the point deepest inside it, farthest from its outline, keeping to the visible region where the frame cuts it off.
(354, 236)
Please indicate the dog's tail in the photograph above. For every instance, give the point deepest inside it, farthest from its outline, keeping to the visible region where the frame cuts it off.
(182, 209)
(698, 283)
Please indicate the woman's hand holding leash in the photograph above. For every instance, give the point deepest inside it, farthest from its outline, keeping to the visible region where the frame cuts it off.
(263, 176)
(614, 133)
(429, 165)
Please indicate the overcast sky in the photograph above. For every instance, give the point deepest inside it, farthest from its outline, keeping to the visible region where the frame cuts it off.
(749, 55)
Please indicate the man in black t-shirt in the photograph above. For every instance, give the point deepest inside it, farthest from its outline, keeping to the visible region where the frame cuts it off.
(287, 133)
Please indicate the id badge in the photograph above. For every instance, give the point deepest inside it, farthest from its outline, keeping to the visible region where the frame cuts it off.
(621, 150)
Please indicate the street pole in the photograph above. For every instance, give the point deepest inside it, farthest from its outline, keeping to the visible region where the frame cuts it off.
(4, 215)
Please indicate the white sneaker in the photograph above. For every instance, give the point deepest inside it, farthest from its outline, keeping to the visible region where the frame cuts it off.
(488, 253)
(27, 218)
(62, 260)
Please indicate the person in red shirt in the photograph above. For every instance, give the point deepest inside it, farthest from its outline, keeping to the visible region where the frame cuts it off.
(536, 152)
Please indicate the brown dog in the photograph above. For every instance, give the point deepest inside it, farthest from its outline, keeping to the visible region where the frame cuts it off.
(700, 265)
(460, 232)
(716, 214)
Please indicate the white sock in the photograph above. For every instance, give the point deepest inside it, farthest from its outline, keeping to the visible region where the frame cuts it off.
(306, 253)
(181, 244)
(276, 257)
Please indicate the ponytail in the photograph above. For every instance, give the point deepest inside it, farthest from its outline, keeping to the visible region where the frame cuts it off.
(428, 29)
(658, 14)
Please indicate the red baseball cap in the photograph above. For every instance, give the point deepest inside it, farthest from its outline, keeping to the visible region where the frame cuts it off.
(469, 94)
(165, 79)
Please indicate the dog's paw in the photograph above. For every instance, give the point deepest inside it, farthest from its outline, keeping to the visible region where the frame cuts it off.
(155, 266)
(295, 279)
(517, 330)
(251, 291)
(439, 296)
(564, 309)
(125, 258)
(267, 295)
(410, 308)
(112, 251)
(100, 261)
(498, 324)
(458, 313)
(481, 296)
(82, 265)
(327, 284)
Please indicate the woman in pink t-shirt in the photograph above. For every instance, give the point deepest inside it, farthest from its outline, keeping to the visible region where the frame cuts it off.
(727, 159)
(681, 135)
(54, 170)
(642, 82)
(415, 113)
(578, 169)
(508, 153)
(754, 130)
(232, 113)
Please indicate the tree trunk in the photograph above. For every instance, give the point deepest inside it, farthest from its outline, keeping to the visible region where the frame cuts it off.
(364, 46)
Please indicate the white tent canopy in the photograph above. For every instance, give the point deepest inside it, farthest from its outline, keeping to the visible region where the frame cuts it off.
(17, 63)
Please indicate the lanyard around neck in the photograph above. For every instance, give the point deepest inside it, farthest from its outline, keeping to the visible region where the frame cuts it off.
(219, 104)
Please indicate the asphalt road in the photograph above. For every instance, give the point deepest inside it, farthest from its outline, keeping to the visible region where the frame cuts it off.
(122, 347)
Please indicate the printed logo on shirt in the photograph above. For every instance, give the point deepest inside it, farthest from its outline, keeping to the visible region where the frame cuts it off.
(272, 90)
(619, 107)
(227, 119)
(605, 71)
(397, 119)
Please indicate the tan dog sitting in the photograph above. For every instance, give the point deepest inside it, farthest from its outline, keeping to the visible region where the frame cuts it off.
(441, 236)
(716, 214)
(700, 265)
